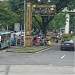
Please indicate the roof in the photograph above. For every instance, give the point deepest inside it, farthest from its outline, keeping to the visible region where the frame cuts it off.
(1, 33)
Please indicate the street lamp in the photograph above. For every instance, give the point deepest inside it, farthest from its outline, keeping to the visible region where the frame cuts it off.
(49, 1)
(38, 0)
(24, 21)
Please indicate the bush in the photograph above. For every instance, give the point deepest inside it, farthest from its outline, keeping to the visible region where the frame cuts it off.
(66, 36)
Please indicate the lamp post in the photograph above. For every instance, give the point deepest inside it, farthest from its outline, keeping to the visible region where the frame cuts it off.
(24, 21)
(0, 26)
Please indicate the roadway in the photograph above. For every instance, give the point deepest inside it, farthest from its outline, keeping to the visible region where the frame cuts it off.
(52, 56)
(52, 60)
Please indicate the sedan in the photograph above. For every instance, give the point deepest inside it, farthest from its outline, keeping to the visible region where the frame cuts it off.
(67, 45)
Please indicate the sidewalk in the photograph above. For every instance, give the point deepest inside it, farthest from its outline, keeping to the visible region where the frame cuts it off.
(31, 49)
(36, 70)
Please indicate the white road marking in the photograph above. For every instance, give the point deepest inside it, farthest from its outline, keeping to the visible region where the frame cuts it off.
(4, 50)
(42, 50)
(63, 56)
(51, 65)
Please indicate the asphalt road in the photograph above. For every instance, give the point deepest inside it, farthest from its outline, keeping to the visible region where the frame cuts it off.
(46, 62)
(52, 56)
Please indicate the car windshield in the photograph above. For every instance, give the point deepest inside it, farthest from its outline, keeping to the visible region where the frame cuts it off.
(68, 41)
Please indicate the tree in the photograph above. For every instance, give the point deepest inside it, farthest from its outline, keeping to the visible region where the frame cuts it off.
(35, 24)
(7, 17)
(17, 7)
(57, 22)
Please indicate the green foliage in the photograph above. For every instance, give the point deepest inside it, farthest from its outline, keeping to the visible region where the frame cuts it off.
(64, 3)
(7, 17)
(35, 23)
(71, 5)
(65, 36)
(17, 6)
(58, 22)
(12, 11)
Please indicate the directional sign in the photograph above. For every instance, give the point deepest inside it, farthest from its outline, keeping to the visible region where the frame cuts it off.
(44, 9)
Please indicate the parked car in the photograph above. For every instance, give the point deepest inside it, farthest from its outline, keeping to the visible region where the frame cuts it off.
(67, 45)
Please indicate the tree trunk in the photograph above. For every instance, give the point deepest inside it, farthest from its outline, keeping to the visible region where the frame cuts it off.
(44, 24)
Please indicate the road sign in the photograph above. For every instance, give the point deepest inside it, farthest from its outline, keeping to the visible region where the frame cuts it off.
(17, 27)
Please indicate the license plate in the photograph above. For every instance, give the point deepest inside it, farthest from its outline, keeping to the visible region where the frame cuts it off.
(67, 44)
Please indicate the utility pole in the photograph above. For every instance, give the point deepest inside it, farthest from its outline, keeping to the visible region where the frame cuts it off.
(24, 21)
(7, 27)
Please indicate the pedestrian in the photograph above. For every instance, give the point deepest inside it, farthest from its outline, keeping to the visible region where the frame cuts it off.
(42, 42)
(49, 42)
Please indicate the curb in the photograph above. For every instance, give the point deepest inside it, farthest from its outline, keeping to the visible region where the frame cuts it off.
(38, 50)
(28, 52)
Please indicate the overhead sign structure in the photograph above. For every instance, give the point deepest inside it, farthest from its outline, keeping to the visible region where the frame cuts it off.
(28, 25)
(35, 10)
(28, 19)
(44, 10)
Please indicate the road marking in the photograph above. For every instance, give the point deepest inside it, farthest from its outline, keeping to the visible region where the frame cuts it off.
(4, 50)
(63, 56)
(50, 64)
(42, 50)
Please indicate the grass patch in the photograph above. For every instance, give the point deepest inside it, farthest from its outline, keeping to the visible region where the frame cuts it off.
(73, 36)
(27, 49)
